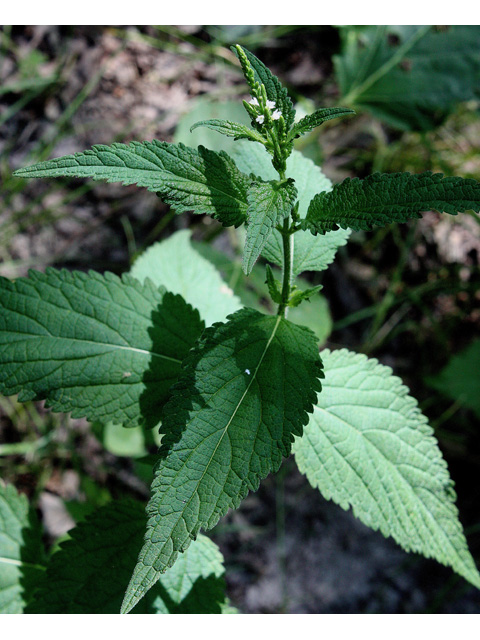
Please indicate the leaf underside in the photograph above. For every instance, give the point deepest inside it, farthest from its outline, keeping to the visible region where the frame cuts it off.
(196, 180)
(245, 392)
(383, 198)
(368, 446)
(85, 577)
(99, 346)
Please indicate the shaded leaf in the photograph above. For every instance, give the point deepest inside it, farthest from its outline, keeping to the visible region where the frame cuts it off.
(245, 392)
(99, 346)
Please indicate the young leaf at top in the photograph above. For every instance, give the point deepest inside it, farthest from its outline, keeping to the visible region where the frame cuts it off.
(313, 120)
(231, 129)
(310, 253)
(85, 577)
(368, 446)
(99, 346)
(197, 180)
(383, 198)
(268, 204)
(22, 556)
(245, 392)
(255, 71)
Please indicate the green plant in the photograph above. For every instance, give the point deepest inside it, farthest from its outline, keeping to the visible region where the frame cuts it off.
(234, 389)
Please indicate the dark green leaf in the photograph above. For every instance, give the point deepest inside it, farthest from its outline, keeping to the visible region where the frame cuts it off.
(100, 347)
(197, 180)
(245, 392)
(268, 204)
(90, 572)
(383, 198)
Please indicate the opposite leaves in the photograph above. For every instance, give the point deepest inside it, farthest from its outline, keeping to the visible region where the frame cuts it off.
(245, 392)
(197, 180)
(369, 447)
(383, 198)
(100, 347)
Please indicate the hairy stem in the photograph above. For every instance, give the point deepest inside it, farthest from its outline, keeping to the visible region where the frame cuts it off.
(288, 247)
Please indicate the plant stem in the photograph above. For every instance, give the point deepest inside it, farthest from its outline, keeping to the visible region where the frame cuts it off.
(288, 246)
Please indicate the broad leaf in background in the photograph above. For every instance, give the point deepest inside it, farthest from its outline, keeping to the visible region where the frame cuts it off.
(313, 120)
(310, 253)
(274, 89)
(382, 198)
(368, 446)
(85, 577)
(268, 204)
(410, 76)
(99, 346)
(460, 379)
(22, 556)
(245, 392)
(197, 180)
(176, 265)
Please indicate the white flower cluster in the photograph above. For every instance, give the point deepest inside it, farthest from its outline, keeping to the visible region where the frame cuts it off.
(270, 104)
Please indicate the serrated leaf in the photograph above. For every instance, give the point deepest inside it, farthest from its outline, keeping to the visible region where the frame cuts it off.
(368, 446)
(196, 180)
(410, 76)
(230, 129)
(460, 378)
(245, 392)
(90, 572)
(310, 253)
(268, 204)
(274, 286)
(176, 265)
(274, 89)
(101, 347)
(382, 198)
(22, 556)
(313, 120)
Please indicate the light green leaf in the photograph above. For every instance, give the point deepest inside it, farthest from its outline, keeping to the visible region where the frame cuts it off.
(410, 76)
(382, 198)
(274, 89)
(310, 253)
(268, 204)
(90, 572)
(314, 314)
(197, 180)
(230, 129)
(22, 556)
(460, 379)
(313, 120)
(176, 265)
(99, 346)
(369, 447)
(298, 296)
(245, 392)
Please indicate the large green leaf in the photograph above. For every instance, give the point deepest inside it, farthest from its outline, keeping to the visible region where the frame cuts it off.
(197, 180)
(245, 392)
(310, 253)
(176, 265)
(99, 346)
(90, 572)
(268, 204)
(410, 76)
(22, 556)
(382, 198)
(369, 447)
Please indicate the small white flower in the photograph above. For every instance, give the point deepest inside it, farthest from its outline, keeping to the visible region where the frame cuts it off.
(253, 101)
(270, 104)
(260, 119)
(276, 114)
(247, 371)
